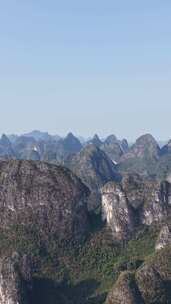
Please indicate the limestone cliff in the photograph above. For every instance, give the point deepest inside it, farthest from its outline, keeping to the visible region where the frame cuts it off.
(133, 202)
(164, 237)
(125, 291)
(149, 284)
(116, 210)
(15, 280)
(95, 169)
(49, 197)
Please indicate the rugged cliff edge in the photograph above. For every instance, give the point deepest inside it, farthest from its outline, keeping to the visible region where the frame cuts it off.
(95, 169)
(49, 197)
(134, 202)
(150, 284)
(15, 280)
(50, 200)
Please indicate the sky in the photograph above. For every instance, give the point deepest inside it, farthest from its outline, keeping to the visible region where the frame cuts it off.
(88, 67)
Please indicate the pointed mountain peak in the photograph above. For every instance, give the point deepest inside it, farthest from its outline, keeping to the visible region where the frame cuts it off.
(70, 135)
(5, 140)
(145, 139)
(111, 139)
(72, 143)
(95, 141)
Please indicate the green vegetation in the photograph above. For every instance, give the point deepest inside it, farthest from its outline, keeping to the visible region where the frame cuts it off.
(149, 167)
(86, 271)
(144, 165)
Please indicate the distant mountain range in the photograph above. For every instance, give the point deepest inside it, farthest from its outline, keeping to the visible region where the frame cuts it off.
(146, 156)
(84, 221)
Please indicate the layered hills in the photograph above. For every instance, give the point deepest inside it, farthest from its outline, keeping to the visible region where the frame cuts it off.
(84, 223)
(145, 156)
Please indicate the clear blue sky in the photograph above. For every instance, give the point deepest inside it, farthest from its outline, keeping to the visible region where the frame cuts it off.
(86, 66)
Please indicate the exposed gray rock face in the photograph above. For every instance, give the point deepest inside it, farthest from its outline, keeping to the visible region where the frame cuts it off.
(151, 282)
(95, 168)
(151, 285)
(167, 186)
(145, 145)
(116, 211)
(125, 291)
(135, 201)
(163, 166)
(15, 280)
(114, 148)
(164, 237)
(142, 157)
(95, 141)
(49, 197)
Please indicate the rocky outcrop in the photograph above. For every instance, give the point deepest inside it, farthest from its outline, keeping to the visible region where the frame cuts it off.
(15, 280)
(116, 211)
(151, 285)
(151, 281)
(163, 165)
(71, 144)
(153, 278)
(49, 197)
(95, 168)
(95, 141)
(59, 150)
(167, 188)
(146, 145)
(164, 237)
(114, 148)
(145, 286)
(142, 157)
(133, 202)
(125, 291)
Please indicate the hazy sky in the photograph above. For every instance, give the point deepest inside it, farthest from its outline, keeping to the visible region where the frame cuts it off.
(86, 66)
